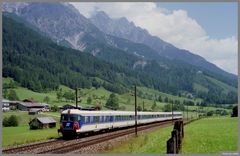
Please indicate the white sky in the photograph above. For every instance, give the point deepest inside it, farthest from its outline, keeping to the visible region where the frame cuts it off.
(175, 27)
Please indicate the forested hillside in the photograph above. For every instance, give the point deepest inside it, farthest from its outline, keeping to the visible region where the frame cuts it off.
(39, 64)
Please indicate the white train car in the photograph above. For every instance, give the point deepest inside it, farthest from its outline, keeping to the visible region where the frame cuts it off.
(74, 121)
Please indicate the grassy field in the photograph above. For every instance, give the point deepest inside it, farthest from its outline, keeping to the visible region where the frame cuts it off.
(211, 135)
(148, 143)
(22, 134)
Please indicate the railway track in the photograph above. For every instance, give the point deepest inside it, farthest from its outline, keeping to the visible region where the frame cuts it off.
(28, 147)
(60, 146)
(100, 139)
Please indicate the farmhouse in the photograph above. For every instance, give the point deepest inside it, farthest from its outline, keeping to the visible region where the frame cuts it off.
(42, 122)
(5, 105)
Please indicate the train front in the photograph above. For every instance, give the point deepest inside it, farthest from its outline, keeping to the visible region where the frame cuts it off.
(70, 123)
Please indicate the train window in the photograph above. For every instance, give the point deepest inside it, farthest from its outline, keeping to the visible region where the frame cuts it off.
(82, 119)
(73, 117)
(91, 119)
(96, 119)
(64, 117)
(106, 119)
(88, 119)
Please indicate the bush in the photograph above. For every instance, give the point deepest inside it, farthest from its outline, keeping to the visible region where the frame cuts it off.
(33, 125)
(122, 108)
(54, 108)
(11, 121)
(210, 113)
(5, 122)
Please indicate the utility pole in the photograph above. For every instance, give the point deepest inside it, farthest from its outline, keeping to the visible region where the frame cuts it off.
(76, 97)
(135, 90)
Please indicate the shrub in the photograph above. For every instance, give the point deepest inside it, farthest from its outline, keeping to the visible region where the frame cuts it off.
(11, 121)
(33, 125)
(210, 113)
(5, 122)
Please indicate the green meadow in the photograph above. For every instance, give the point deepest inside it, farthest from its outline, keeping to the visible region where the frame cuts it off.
(204, 136)
(12, 136)
(211, 135)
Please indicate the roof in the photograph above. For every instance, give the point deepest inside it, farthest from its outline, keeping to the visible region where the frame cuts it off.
(34, 110)
(30, 104)
(46, 120)
(5, 101)
(83, 112)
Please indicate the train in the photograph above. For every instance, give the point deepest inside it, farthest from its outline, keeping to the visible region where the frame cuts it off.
(74, 121)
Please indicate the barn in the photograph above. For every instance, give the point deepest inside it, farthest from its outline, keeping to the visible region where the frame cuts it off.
(42, 122)
(34, 111)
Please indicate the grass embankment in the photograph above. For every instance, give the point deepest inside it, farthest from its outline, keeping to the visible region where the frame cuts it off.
(211, 135)
(22, 134)
(147, 143)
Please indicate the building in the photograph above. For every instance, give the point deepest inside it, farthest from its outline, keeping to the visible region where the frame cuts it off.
(34, 111)
(26, 106)
(5, 105)
(42, 122)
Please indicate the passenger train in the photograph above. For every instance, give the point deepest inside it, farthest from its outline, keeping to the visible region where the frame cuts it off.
(75, 121)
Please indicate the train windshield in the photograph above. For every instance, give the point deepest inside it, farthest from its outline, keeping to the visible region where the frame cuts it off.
(69, 117)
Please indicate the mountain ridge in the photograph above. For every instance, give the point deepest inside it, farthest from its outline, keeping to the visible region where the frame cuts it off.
(136, 34)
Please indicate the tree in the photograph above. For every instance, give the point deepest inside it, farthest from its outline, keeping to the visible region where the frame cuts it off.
(11, 121)
(59, 94)
(69, 95)
(54, 108)
(154, 106)
(166, 99)
(5, 93)
(167, 108)
(46, 99)
(210, 113)
(139, 108)
(5, 122)
(13, 95)
(89, 100)
(160, 98)
(112, 102)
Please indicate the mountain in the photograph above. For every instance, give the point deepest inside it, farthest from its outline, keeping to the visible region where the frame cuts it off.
(38, 63)
(127, 63)
(122, 28)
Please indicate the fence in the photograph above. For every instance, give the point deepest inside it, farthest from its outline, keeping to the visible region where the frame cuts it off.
(175, 142)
